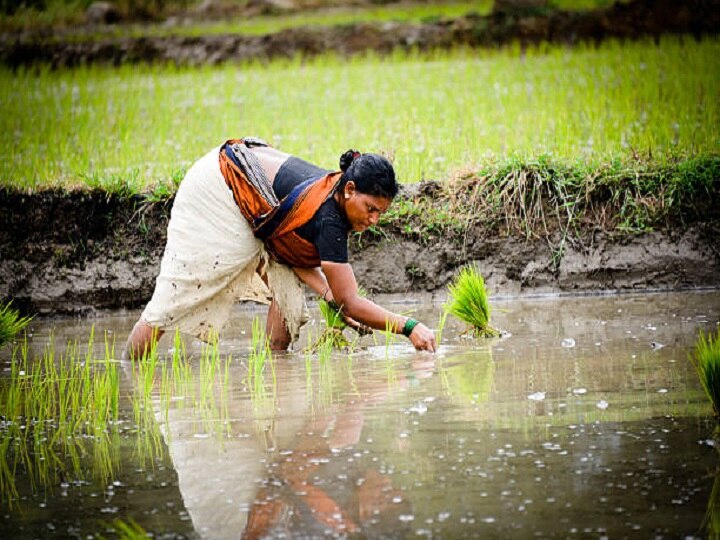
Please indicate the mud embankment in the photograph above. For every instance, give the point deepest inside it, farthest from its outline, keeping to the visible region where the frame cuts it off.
(82, 251)
(640, 18)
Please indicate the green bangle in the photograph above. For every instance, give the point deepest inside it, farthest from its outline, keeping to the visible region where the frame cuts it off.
(410, 325)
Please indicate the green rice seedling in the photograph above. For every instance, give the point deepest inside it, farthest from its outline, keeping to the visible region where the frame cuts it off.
(260, 355)
(441, 326)
(468, 302)
(334, 326)
(209, 364)
(309, 374)
(60, 410)
(706, 359)
(10, 322)
(390, 338)
(470, 379)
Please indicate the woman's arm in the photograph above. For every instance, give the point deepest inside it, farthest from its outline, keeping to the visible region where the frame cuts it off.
(341, 279)
(313, 278)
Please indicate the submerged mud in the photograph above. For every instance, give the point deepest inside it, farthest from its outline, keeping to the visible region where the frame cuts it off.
(635, 19)
(76, 252)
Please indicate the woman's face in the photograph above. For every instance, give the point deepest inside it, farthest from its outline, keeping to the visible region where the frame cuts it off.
(363, 210)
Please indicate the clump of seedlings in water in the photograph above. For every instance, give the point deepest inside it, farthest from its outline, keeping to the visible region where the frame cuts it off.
(706, 359)
(333, 336)
(11, 323)
(468, 301)
(57, 409)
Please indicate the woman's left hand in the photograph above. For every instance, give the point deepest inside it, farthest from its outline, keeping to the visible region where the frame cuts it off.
(423, 338)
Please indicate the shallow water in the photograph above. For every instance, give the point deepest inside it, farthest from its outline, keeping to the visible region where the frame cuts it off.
(587, 420)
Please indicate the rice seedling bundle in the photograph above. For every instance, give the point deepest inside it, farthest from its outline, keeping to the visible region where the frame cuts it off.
(706, 359)
(468, 302)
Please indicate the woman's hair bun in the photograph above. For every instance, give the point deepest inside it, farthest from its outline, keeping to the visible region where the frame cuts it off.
(347, 158)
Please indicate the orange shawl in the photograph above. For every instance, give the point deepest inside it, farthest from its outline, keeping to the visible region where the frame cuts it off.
(272, 221)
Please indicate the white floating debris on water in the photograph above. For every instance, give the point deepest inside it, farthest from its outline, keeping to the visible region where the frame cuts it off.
(662, 391)
(420, 408)
(568, 343)
(406, 518)
(602, 404)
(201, 435)
(537, 396)
(429, 399)
(656, 345)
(579, 391)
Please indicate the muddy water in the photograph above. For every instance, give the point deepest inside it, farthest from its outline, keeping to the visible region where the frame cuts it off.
(587, 420)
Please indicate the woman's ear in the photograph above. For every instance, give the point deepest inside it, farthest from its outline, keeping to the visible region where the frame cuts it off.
(349, 189)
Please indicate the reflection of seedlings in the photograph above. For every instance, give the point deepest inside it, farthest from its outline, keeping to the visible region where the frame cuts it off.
(128, 530)
(471, 380)
(57, 409)
(712, 513)
(335, 325)
(469, 302)
(706, 360)
(10, 323)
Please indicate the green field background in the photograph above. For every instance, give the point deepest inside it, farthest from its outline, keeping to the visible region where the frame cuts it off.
(432, 114)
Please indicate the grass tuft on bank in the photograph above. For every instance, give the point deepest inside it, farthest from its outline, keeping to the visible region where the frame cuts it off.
(542, 198)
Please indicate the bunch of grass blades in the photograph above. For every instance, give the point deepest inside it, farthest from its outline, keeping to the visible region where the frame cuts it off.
(10, 323)
(468, 302)
(706, 360)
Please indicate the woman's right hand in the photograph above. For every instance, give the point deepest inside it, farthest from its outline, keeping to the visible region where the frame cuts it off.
(423, 338)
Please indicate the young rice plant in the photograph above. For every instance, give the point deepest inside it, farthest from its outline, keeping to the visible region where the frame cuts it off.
(10, 323)
(469, 302)
(706, 359)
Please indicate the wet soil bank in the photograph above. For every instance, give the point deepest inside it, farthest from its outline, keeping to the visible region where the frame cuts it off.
(76, 252)
(640, 18)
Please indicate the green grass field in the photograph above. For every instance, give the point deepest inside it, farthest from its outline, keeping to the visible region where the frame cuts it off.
(138, 126)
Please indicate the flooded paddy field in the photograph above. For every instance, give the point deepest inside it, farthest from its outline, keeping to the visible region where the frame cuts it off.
(585, 420)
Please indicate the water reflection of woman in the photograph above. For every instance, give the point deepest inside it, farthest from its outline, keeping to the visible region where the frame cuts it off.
(302, 492)
(246, 210)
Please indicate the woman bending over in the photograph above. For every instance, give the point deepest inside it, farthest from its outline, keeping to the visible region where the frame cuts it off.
(250, 222)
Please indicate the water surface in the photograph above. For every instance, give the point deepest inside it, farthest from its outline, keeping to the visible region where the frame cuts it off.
(586, 420)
